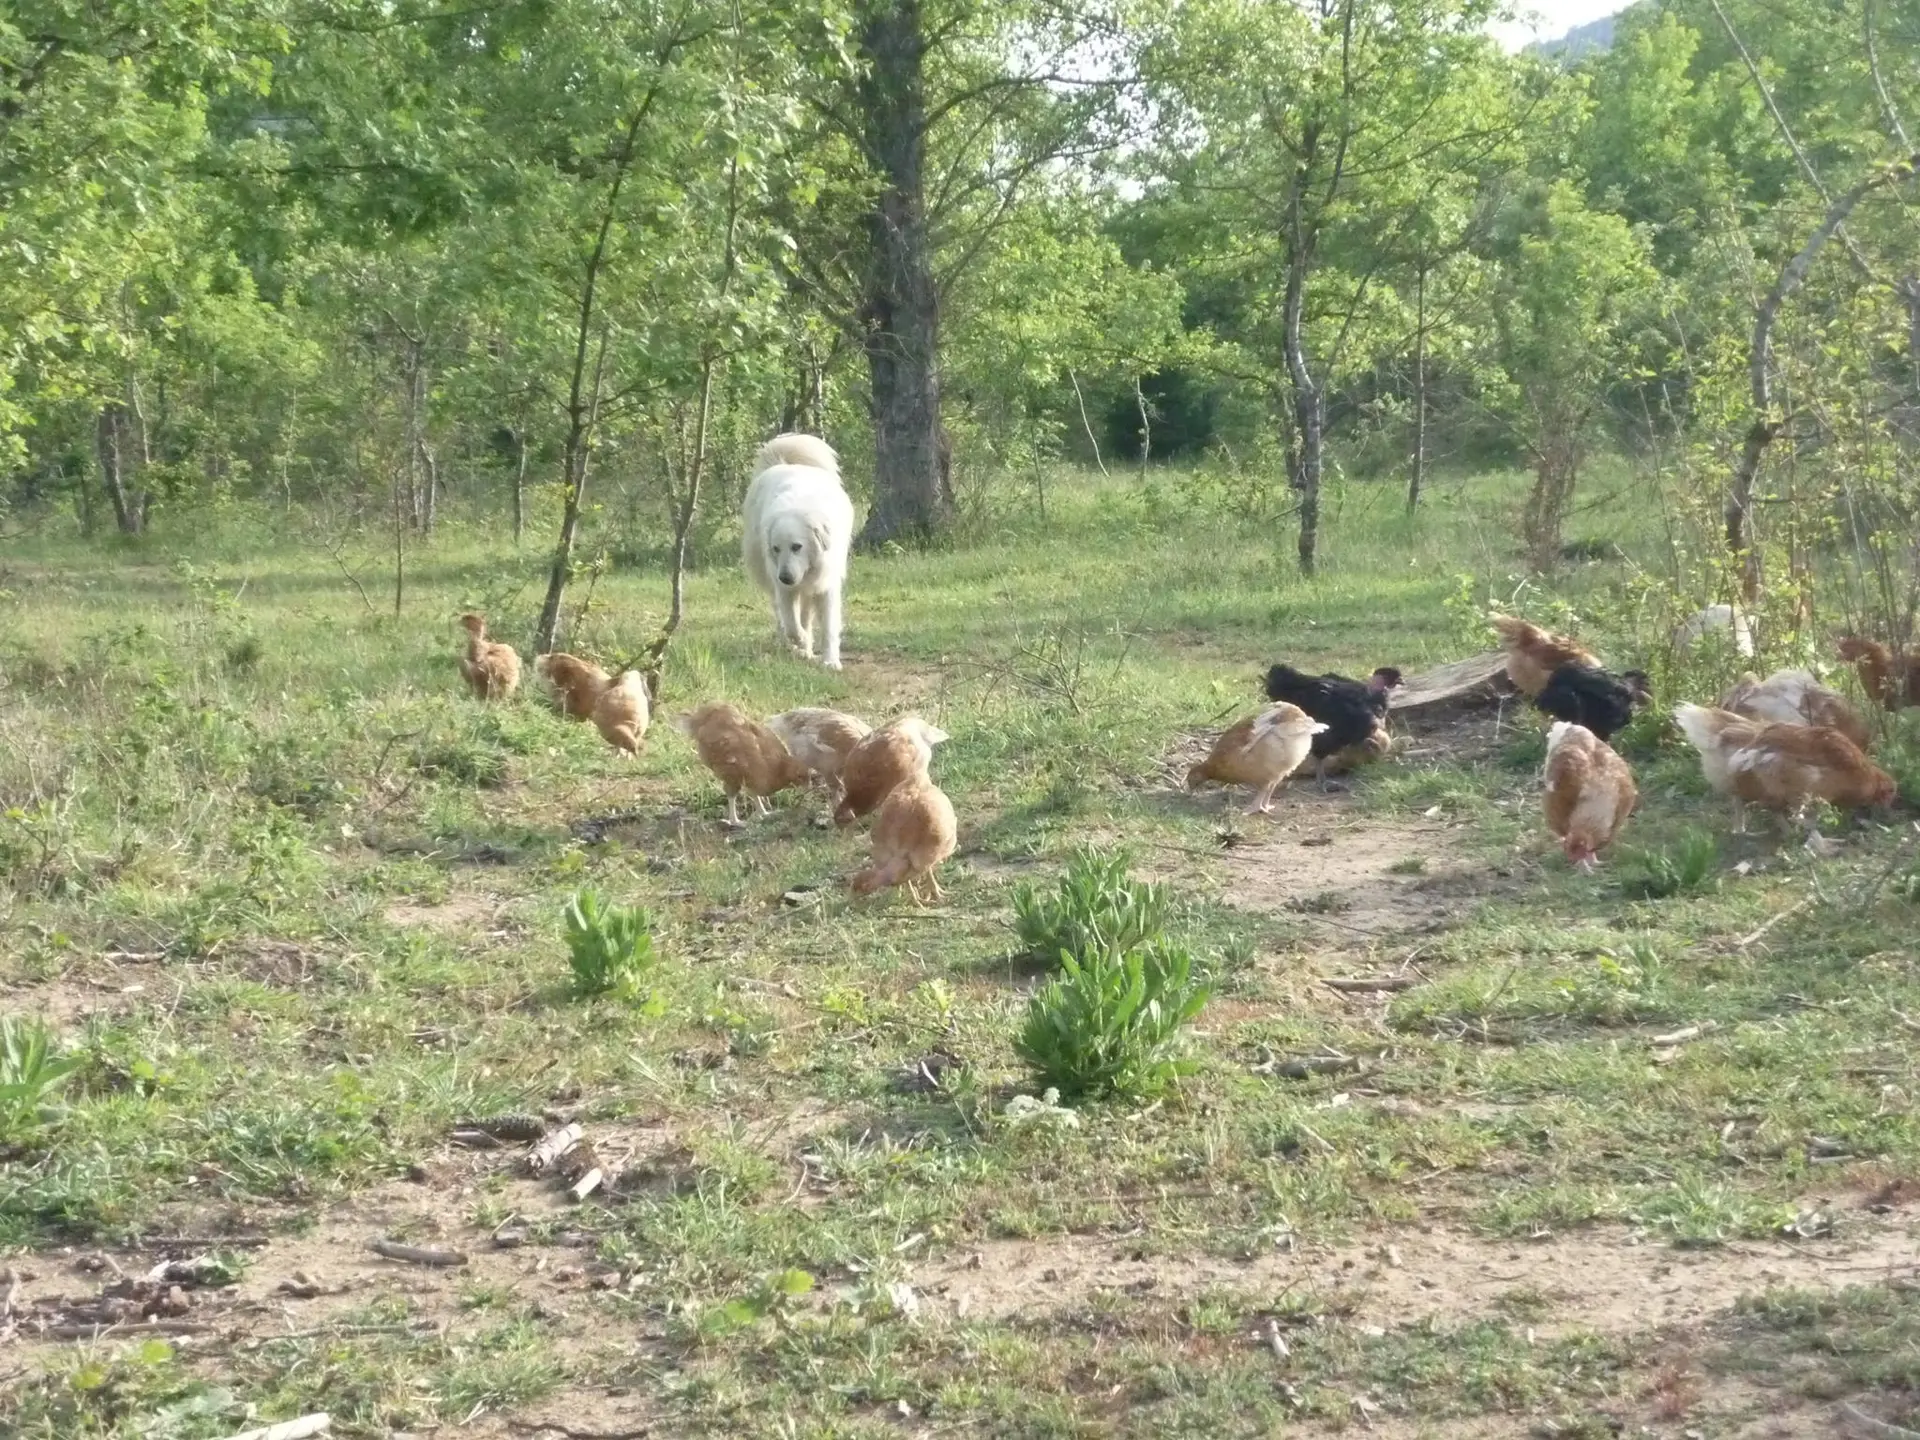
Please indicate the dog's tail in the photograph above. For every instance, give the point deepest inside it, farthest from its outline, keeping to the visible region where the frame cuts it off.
(797, 449)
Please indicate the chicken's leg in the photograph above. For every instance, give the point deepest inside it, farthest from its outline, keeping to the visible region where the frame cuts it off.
(933, 883)
(760, 805)
(733, 809)
(1263, 802)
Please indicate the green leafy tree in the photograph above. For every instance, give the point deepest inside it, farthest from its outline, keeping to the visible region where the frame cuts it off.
(1300, 143)
(1574, 289)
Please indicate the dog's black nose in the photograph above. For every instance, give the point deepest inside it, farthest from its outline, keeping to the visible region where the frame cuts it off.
(785, 578)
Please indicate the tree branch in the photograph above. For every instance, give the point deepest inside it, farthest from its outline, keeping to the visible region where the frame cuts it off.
(1786, 133)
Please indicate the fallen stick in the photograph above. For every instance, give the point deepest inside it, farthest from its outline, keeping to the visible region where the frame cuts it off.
(99, 1329)
(201, 1242)
(1305, 1066)
(1276, 1342)
(540, 1159)
(300, 1429)
(1684, 1034)
(588, 1183)
(1793, 909)
(417, 1255)
(1369, 984)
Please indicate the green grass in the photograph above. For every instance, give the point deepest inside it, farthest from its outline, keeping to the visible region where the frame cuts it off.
(314, 897)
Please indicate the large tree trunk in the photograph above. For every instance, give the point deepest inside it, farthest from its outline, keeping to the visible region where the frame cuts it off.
(1556, 470)
(120, 440)
(1309, 404)
(900, 303)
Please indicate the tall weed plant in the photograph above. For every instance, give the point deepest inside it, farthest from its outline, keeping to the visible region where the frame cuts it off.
(609, 946)
(1097, 909)
(1109, 1024)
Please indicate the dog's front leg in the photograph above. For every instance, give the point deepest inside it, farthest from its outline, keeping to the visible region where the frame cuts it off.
(830, 623)
(786, 615)
(803, 620)
(782, 616)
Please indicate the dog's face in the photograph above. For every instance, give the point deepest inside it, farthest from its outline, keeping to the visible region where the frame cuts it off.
(794, 548)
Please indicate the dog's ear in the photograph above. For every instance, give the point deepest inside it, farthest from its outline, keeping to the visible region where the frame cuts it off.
(821, 536)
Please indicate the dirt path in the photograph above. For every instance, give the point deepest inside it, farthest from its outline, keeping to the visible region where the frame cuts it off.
(1603, 1279)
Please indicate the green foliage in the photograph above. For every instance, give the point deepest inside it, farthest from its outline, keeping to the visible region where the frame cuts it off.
(1109, 1024)
(772, 1298)
(30, 1073)
(1683, 868)
(1097, 909)
(609, 946)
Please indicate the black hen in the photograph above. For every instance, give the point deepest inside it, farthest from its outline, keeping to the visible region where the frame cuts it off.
(1355, 713)
(1586, 695)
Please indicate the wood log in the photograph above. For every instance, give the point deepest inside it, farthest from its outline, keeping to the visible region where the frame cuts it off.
(416, 1254)
(1462, 684)
(541, 1158)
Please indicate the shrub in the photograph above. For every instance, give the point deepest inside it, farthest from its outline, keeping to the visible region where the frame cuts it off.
(610, 946)
(1683, 869)
(1109, 1024)
(30, 1072)
(1096, 909)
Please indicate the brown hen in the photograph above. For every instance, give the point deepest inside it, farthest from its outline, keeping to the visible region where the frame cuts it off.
(743, 755)
(491, 669)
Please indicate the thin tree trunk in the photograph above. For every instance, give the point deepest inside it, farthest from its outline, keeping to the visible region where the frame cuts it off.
(1766, 424)
(402, 503)
(1417, 481)
(1146, 424)
(1039, 468)
(519, 484)
(576, 455)
(900, 304)
(413, 376)
(1309, 405)
(115, 444)
(1087, 425)
(682, 529)
(583, 409)
(430, 469)
(697, 462)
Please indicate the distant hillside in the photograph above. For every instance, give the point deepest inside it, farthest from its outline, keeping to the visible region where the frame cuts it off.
(1582, 40)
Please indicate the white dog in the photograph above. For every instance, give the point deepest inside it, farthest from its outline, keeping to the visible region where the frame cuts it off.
(797, 525)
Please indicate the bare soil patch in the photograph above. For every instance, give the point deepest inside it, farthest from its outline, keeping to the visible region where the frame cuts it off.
(1357, 877)
(1602, 1279)
(462, 911)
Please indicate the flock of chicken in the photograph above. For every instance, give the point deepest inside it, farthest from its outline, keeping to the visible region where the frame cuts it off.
(862, 768)
(1782, 743)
